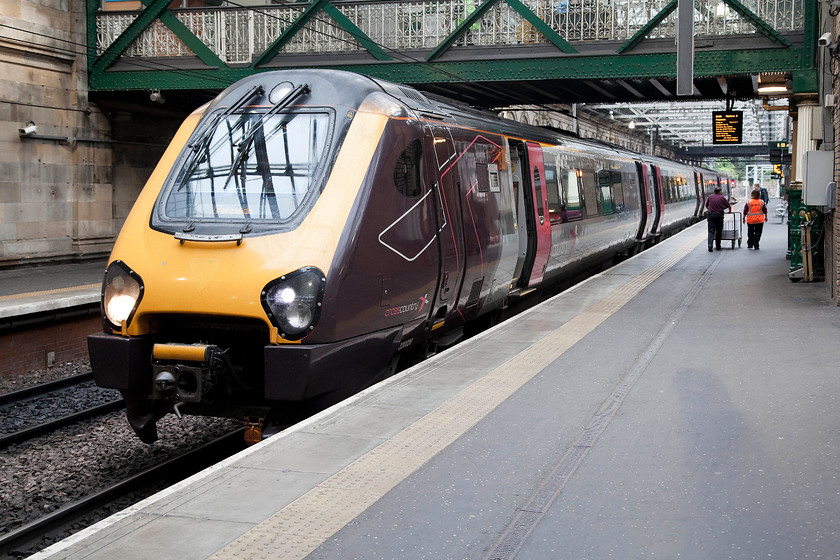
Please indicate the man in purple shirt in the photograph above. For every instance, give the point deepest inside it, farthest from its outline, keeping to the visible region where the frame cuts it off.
(717, 205)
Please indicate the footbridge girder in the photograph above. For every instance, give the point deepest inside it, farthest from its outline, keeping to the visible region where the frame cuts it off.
(494, 53)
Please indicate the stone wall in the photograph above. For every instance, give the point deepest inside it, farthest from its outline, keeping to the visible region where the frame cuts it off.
(56, 185)
(66, 190)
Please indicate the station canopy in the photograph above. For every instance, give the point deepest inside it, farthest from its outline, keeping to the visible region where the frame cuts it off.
(688, 124)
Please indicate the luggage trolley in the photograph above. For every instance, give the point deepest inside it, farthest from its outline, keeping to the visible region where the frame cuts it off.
(731, 228)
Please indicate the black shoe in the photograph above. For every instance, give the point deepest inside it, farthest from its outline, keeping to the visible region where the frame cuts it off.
(710, 249)
(756, 247)
(718, 248)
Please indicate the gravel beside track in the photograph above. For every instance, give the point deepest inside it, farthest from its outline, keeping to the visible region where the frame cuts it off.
(42, 474)
(37, 376)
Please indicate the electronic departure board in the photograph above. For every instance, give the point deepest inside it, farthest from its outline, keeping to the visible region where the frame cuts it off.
(727, 127)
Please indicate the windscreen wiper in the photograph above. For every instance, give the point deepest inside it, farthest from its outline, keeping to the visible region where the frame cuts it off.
(244, 145)
(202, 138)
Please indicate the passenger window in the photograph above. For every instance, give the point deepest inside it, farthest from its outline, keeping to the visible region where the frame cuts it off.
(605, 188)
(571, 195)
(538, 194)
(407, 170)
(493, 171)
(590, 194)
(552, 189)
(617, 192)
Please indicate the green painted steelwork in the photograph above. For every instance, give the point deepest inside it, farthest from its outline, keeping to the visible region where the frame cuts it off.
(308, 14)
(742, 10)
(521, 8)
(643, 32)
(759, 23)
(708, 63)
(462, 28)
(546, 31)
(195, 44)
(357, 33)
(568, 64)
(144, 20)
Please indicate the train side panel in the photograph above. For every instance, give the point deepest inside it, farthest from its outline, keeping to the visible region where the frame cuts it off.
(487, 220)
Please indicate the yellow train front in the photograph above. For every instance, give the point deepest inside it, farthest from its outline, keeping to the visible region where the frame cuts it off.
(308, 228)
(245, 281)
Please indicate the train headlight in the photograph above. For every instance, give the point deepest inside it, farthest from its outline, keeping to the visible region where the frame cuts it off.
(122, 290)
(293, 302)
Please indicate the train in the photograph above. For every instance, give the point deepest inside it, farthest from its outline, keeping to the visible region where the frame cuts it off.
(306, 230)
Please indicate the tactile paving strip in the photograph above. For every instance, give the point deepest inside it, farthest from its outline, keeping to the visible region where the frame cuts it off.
(299, 528)
(50, 292)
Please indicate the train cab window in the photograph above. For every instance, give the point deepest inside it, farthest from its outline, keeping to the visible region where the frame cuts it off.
(250, 167)
(407, 172)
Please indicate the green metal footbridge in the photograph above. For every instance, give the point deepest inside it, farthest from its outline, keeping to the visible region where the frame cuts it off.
(492, 53)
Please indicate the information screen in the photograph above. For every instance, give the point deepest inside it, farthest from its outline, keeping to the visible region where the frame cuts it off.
(727, 127)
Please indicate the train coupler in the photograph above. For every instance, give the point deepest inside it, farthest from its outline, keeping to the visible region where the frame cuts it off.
(253, 430)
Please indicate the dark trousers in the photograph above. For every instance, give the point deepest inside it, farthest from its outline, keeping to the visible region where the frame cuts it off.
(754, 234)
(715, 222)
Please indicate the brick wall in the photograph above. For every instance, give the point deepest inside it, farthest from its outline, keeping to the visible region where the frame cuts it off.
(26, 350)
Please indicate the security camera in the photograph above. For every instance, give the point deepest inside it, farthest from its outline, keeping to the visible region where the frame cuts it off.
(825, 39)
(28, 129)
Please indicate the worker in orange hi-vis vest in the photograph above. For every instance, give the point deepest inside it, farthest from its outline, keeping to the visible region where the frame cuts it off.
(755, 214)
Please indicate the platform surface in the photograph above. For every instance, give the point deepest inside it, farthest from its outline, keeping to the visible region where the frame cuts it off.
(684, 404)
(39, 289)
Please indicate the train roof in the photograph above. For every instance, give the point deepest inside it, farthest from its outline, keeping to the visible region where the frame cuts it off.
(328, 86)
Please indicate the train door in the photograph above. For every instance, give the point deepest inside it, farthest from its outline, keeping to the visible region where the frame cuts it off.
(698, 189)
(534, 225)
(658, 198)
(645, 195)
(536, 172)
(450, 232)
(519, 178)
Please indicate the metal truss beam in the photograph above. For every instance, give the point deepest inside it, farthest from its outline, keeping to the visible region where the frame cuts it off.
(642, 66)
(486, 74)
(308, 14)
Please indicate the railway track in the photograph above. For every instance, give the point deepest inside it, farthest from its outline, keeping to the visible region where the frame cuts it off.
(18, 407)
(39, 533)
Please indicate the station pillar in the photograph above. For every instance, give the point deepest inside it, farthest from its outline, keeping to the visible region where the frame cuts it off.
(805, 223)
(804, 107)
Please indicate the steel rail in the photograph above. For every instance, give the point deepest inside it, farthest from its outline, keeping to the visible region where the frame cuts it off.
(26, 536)
(40, 429)
(44, 388)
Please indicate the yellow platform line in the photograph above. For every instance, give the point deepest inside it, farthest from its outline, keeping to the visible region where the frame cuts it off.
(303, 525)
(50, 292)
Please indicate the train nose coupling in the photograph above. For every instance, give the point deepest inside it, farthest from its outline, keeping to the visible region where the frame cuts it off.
(165, 382)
